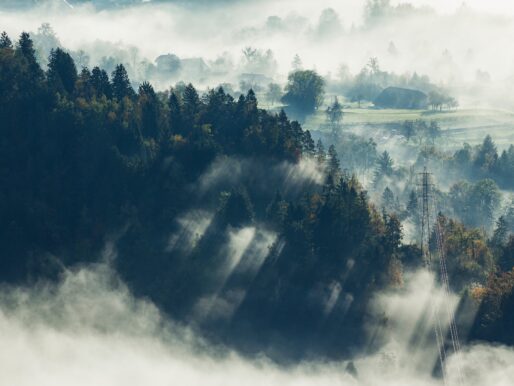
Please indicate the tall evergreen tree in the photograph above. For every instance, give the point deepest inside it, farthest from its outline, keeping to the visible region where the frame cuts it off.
(321, 156)
(25, 50)
(5, 41)
(62, 73)
(83, 86)
(384, 167)
(190, 102)
(100, 82)
(175, 114)
(506, 259)
(121, 86)
(333, 162)
(388, 201)
(149, 106)
(500, 233)
(308, 144)
(237, 209)
(487, 155)
(26, 47)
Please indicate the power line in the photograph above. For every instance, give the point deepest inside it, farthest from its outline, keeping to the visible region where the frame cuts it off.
(428, 208)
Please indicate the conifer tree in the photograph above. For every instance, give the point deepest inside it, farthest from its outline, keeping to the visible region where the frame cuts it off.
(100, 82)
(62, 73)
(5, 41)
(25, 50)
(121, 86)
(175, 114)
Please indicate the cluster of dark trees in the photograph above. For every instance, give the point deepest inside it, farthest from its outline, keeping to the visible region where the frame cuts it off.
(484, 268)
(86, 159)
(421, 131)
(475, 205)
(484, 161)
(82, 152)
(439, 100)
(401, 91)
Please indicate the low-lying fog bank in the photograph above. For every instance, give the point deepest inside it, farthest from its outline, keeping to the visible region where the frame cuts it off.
(89, 330)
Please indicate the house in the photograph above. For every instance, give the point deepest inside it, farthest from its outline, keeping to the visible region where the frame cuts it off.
(401, 98)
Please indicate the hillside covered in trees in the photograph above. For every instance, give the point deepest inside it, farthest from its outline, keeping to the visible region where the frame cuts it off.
(230, 218)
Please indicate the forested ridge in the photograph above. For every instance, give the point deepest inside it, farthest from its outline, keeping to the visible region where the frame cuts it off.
(86, 160)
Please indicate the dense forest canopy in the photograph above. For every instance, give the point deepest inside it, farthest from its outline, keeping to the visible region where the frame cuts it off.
(174, 177)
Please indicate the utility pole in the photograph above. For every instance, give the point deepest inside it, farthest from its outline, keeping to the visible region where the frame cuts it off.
(425, 185)
(425, 217)
(428, 210)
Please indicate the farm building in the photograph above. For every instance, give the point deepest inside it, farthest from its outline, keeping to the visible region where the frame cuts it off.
(401, 98)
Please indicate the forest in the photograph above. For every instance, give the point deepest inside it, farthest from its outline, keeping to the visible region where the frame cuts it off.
(232, 218)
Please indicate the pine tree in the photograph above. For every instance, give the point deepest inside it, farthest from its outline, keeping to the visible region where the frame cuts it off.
(384, 167)
(296, 64)
(25, 49)
(190, 102)
(83, 87)
(121, 86)
(333, 162)
(487, 155)
(393, 236)
(175, 114)
(62, 73)
(308, 144)
(320, 152)
(100, 82)
(506, 259)
(149, 106)
(388, 199)
(5, 41)
(237, 209)
(500, 232)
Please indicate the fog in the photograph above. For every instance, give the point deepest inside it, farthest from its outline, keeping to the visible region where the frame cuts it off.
(286, 177)
(460, 40)
(89, 329)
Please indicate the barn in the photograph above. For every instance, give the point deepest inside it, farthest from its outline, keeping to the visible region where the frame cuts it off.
(401, 98)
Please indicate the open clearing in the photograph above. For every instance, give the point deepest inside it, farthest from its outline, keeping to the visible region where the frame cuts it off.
(463, 125)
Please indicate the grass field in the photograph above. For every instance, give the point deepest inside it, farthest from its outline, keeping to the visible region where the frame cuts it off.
(469, 125)
(459, 126)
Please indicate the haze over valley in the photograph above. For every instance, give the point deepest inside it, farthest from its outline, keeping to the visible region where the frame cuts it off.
(256, 192)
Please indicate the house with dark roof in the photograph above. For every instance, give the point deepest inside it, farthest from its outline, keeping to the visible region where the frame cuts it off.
(401, 98)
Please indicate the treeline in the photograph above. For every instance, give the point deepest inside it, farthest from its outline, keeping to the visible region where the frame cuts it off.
(482, 269)
(87, 159)
(82, 151)
(372, 80)
(484, 161)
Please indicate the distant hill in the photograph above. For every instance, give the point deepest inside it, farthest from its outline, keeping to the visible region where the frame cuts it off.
(401, 98)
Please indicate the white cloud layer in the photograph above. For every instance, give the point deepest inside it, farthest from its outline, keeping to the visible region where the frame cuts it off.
(476, 38)
(89, 330)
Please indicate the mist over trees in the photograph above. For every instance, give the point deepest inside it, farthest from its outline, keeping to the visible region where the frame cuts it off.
(90, 157)
(100, 156)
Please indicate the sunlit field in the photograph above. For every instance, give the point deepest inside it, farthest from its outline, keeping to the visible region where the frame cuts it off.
(460, 125)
